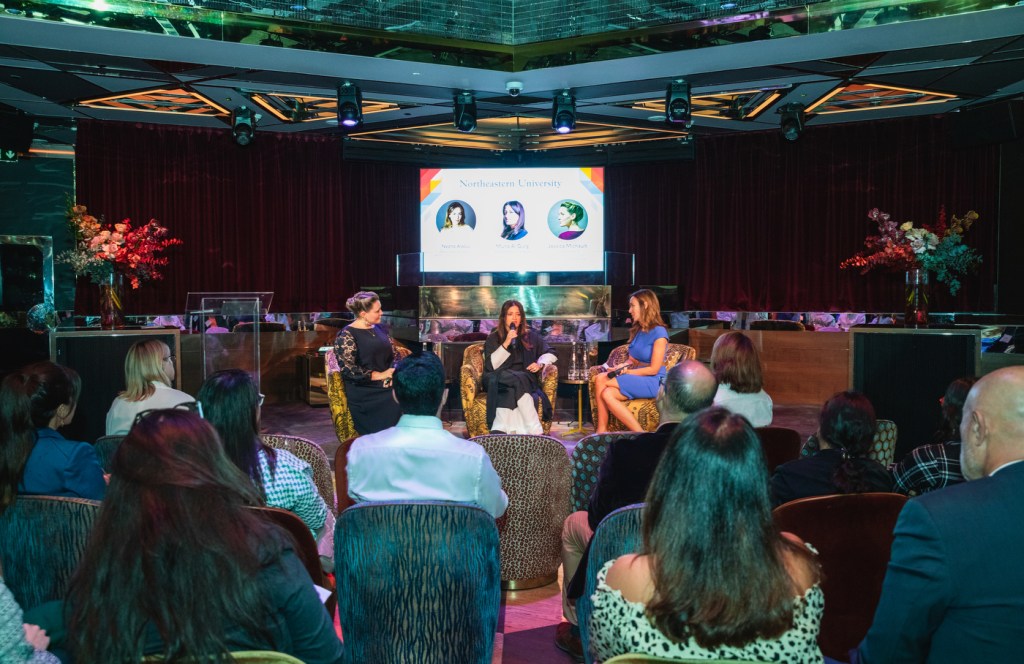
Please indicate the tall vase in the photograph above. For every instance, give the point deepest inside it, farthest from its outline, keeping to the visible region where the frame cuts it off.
(915, 299)
(112, 302)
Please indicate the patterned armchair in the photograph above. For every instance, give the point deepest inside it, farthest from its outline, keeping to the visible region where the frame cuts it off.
(312, 454)
(586, 460)
(474, 399)
(644, 410)
(344, 427)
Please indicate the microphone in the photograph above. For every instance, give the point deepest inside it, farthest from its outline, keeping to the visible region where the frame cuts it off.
(512, 344)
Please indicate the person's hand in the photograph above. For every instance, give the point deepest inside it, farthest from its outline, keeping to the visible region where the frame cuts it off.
(36, 637)
(533, 368)
(510, 337)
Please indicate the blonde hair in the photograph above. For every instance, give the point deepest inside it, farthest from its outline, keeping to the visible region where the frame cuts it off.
(650, 312)
(143, 365)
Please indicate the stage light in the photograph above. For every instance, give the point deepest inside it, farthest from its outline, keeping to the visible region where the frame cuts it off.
(792, 121)
(465, 112)
(243, 125)
(563, 112)
(677, 102)
(350, 105)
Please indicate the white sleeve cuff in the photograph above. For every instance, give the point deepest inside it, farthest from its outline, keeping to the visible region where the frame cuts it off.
(499, 356)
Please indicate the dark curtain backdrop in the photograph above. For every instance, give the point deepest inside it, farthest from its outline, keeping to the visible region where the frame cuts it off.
(752, 223)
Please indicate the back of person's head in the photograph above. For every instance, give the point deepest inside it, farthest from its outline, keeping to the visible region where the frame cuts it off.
(848, 423)
(143, 365)
(173, 547)
(709, 501)
(735, 362)
(30, 399)
(953, 409)
(230, 401)
(689, 387)
(419, 384)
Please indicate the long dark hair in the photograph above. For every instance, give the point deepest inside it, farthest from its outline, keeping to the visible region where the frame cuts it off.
(230, 403)
(28, 401)
(524, 325)
(173, 548)
(718, 563)
(953, 410)
(517, 207)
(848, 423)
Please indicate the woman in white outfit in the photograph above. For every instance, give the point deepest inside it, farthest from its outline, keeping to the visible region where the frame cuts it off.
(148, 375)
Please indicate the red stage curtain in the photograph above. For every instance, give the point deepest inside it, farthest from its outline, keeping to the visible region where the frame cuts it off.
(753, 223)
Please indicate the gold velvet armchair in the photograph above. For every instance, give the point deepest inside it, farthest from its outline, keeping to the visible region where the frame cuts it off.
(645, 410)
(474, 399)
(343, 424)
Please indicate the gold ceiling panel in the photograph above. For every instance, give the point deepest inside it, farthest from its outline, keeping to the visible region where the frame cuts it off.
(299, 108)
(740, 105)
(163, 100)
(871, 96)
(519, 133)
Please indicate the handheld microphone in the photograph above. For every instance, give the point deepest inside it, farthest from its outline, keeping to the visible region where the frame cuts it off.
(512, 344)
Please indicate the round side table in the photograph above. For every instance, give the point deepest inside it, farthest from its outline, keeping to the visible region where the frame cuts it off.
(579, 403)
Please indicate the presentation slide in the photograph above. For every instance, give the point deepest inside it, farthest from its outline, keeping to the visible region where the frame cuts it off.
(512, 219)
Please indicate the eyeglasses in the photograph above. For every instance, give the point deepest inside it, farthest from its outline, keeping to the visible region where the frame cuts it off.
(190, 406)
(169, 358)
(260, 402)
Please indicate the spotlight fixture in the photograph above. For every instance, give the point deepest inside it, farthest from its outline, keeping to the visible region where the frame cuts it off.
(563, 112)
(465, 112)
(350, 105)
(243, 125)
(792, 121)
(677, 102)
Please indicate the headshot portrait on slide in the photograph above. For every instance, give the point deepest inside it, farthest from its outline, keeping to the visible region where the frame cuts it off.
(455, 216)
(567, 220)
(513, 221)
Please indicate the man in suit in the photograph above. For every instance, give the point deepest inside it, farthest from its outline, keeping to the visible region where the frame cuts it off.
(954, 589)
(623, 478)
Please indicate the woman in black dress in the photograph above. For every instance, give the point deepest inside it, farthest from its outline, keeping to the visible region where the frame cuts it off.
(367, 356)
(514, 359)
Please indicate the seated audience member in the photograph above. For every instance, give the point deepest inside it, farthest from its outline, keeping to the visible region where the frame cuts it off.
(623, 478)
(708, 501)
(846, 429)
(737, 367)
(935, 466)
(231, 403)
(34, 458)
(177, 567)
(20, 643)
(148, 375)
(417, 459)
(954, 589)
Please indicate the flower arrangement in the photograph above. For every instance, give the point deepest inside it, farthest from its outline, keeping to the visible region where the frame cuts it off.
(102, 250)
(937, 248)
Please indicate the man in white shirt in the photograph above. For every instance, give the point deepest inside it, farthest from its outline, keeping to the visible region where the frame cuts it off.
(417, 459)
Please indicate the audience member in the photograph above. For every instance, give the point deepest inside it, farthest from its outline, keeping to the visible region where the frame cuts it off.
(231, 403)
(20, 643)
(737, 367)
(417, 459)
(366, 355)
(148, 376)
(715, 580)
(622, 480)
(35, 459)
(177, 567)
(514, 359)
(846, 429)
(640, 376)
(937, 465)
(954, 589)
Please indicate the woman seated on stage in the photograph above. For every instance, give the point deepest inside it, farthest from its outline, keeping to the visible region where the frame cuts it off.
(178, 567)
(148, 374)
(35, 459)
(514, 359)
(846, 429)
(640, 376)
(737, 367)
(231, 403)
(367, 357)
(708, 501)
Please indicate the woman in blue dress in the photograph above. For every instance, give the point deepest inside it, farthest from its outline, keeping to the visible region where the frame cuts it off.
(640, 376)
